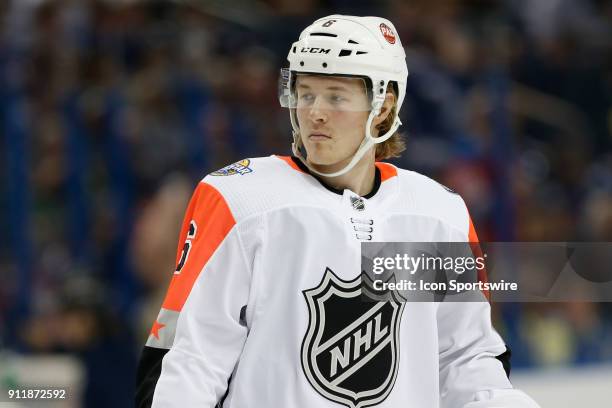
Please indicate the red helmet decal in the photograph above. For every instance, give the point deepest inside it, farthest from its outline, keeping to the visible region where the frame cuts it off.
(388, 33)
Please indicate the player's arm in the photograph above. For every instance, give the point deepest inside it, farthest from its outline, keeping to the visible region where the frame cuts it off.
(474, 361)
(198, 336)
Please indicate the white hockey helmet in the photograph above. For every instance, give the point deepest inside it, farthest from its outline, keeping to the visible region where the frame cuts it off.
(338, 45)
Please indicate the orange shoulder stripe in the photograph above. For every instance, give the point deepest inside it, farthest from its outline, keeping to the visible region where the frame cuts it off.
(287, 159)
(386, 171)
(477, 252)
(472, 236)
(213, 219)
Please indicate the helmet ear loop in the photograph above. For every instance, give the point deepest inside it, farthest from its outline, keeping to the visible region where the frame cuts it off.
(376, 108)
(396, 124)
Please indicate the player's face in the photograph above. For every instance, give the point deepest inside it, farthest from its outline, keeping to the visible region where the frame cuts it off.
(332, 114)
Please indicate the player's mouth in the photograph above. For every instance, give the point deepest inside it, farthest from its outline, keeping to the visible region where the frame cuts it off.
(318, 137)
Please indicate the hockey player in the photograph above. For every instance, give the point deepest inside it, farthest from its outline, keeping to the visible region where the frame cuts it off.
(264, 310)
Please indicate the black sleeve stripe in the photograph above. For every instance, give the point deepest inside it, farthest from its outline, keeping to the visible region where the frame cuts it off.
(505, 360)
(149, 370)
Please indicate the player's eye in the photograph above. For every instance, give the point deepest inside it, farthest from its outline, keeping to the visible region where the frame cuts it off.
(307, 97)
(336, 99)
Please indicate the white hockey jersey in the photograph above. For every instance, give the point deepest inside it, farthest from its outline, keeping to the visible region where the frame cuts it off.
(263, 310)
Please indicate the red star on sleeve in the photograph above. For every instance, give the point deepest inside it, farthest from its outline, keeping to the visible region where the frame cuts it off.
(155, 329)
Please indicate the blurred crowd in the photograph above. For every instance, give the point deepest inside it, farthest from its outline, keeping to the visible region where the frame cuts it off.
(112, 110)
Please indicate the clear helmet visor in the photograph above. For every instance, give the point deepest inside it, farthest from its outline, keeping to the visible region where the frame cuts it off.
(323, 92)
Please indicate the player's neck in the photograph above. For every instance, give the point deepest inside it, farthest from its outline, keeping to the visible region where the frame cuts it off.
(360, 179)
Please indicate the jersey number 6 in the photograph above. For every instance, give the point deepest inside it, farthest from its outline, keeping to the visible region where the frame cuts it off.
(193, 228)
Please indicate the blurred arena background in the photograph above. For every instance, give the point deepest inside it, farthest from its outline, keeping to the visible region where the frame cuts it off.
(112, 110)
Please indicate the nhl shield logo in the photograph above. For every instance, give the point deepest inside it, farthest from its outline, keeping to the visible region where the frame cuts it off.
(358, 203)
(350, 352)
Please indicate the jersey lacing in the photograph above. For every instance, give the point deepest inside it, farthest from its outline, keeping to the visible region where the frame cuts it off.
(363, 228)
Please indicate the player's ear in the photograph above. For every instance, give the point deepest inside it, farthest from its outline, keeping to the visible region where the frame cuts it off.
(385, 110)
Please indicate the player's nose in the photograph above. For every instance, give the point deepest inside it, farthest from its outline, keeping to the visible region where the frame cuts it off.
(317, 112)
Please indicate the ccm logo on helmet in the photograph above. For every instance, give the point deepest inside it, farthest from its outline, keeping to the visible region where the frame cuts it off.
(388, 33)
(316, 50)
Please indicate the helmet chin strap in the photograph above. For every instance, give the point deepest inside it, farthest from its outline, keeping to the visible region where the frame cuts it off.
(367, 142)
